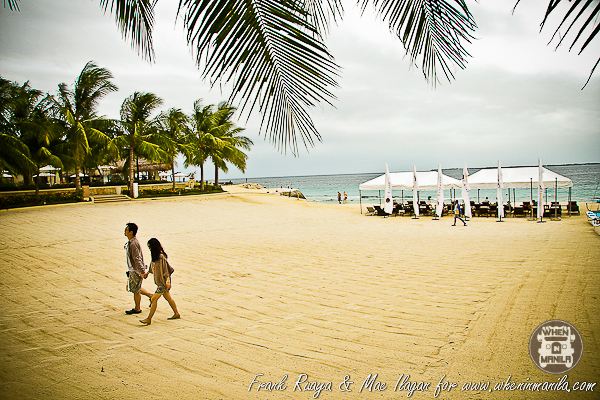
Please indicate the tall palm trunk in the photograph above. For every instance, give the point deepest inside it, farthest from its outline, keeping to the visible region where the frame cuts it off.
(173, 171)
(37, 186)
(77, 182)
(202, 176)
(216, 174)
(77, 170)
(131, 171)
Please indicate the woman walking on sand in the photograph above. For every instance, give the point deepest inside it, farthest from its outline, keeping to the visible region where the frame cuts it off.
(162, 271)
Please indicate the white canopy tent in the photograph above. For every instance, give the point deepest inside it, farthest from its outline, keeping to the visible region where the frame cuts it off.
(517, 177)
(520, 178)
(49, 168)
(404, 181)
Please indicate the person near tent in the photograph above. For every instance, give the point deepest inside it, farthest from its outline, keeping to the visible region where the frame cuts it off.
(458, 213)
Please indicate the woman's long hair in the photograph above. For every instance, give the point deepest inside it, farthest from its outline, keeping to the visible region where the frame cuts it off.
(156, 249)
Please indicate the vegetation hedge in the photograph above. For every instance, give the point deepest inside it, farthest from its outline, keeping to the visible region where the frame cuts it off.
(11, 187)
(26, 200)
(177, 192)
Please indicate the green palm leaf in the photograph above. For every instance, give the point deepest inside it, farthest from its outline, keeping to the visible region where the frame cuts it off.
(12, 4)
(432, 30)
(135, 19)
(588, 10)
(273, 56)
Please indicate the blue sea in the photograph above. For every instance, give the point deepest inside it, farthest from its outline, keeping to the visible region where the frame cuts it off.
(324, 188)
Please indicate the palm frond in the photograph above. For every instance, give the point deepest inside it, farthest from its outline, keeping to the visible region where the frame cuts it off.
(435, 31)
(587, 11)
(272, 54)
(135, 19)
(91, 86)
(14, 154)
(321, 13)
(12, 5)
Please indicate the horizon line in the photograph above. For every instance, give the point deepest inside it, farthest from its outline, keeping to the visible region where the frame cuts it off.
(371, 173)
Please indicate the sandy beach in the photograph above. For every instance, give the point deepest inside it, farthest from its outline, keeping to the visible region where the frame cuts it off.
(283, 287)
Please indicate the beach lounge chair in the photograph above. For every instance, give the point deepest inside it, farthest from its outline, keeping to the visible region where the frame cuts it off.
(398, 209)
(526, 208)
(380, 212)
(518, 212)
(573, 207)
(483, 210)
(555, 210)
(370, 211)
(592, 217)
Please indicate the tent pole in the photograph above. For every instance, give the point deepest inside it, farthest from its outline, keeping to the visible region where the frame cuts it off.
(360, 200)
(569, 202)
(531, 197)
(555, 198)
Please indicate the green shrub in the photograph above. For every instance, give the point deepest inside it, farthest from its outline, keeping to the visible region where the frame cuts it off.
(178, 192)
(25, 200)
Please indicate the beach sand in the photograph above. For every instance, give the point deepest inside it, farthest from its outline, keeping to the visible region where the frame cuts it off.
(277, 286)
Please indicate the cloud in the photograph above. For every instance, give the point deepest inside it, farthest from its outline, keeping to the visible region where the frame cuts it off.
(517, 99)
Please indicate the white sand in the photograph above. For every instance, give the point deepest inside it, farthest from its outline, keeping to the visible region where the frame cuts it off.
(276, 286)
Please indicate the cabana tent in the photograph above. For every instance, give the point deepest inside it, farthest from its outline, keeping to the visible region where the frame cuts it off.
(519, 178)
(404, 181)
(516, 177)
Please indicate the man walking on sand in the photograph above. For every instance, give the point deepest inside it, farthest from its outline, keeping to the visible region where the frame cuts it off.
(136, 268)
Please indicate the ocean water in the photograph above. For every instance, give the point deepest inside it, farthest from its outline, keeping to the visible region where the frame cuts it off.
(324, 188)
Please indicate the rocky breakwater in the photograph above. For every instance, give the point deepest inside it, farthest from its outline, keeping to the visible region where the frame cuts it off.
(294, 193)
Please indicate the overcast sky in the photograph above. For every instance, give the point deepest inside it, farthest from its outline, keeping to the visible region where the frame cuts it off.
(518, 99)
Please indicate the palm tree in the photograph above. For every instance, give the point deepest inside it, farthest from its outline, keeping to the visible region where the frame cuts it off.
(32, 118)
(174, 130)
(139, 132)
(200, 140)
(77, 109)
(231, 141)
(14, 154)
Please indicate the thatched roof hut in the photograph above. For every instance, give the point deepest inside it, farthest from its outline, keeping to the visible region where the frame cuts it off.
(143, 165)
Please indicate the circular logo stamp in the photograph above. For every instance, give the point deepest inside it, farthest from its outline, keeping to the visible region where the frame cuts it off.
(555, 346)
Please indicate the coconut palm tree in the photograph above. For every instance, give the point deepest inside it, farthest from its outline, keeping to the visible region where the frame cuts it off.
(232, 142)
(139, 132)
(14, 154)
(200, 140)
(77, 108)
(32, 118)
(174, 132)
